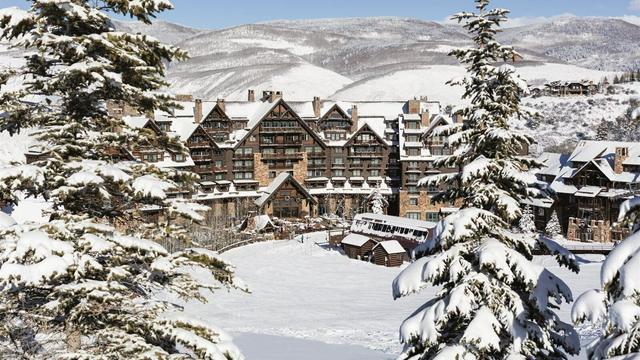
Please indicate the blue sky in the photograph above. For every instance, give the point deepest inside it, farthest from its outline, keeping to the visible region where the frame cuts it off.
(218, 14)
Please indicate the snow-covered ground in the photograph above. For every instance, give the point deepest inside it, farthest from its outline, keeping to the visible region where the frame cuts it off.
(309, 300)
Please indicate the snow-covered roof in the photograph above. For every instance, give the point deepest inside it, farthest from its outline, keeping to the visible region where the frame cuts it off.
(135, 122)
(355, 240)
(588, 191)
(183, 128)
(553, 162)
(391, 247)
(268, 191)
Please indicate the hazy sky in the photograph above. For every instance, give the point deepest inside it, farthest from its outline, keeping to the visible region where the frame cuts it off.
(218, 14)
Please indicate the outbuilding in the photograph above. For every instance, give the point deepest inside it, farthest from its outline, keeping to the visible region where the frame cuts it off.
(358, 246)
(389, 253)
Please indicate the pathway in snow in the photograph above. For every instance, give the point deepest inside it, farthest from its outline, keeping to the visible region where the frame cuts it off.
(306, 292)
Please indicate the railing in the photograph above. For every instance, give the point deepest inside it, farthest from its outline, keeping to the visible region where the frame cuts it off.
(280, 129)
(285, 156)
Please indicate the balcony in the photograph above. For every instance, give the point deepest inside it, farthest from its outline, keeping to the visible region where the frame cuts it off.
(201, 157)
(199, 144)
(243, 168)
(283, 156)
(242, 156)
(376, 154)
(281, 130)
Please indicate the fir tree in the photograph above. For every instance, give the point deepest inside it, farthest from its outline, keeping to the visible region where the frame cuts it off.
(553, 228)
(77, 287)
(614, 307)
(377, 202)
(526, 224)
(602, 131)
(495, 302)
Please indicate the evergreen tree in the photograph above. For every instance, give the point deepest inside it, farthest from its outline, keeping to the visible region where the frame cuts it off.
(615, 306)
(602, 131)
(553, 228)
(84, 285)
(495, 302)
(377, 202)
(527, 225)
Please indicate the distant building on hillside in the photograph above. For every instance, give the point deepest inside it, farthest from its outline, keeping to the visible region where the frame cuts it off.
(565, 88)
(589, 185)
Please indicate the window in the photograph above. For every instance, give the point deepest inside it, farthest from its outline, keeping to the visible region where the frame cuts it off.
(244, 151)
(179, 157)
(412, 189)
(338, 161)
(356, 161)
(432, 189)
(375, 162)
(356, 172)
(413, 215)
(413, 201)
(218, 163)
(413, 165)
(412, 124)
(219, 176)
(290, 150)
(374, 172)
(365, 137)
(413, 138)
(413, 152)
(432, 216)
(338, 173)
(268, 151)
(243, 175)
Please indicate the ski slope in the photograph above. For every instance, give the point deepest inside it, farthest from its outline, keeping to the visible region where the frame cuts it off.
(307, 297)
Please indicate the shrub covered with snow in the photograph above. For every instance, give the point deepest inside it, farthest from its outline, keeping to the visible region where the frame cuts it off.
(495, 302)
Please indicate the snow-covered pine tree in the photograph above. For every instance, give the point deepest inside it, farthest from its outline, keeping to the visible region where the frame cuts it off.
(526, 224)
(602, 131)
(77, 287)
(495, 302)
(615, 307)
(553, 228)
(377, 202)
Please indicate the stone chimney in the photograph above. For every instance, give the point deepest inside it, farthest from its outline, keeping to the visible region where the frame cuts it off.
(221, 105)
(622, 154)
(354, 118)
(276, 95)
(251, 96)
(316, 106)
(197, 112)
(414, 106)
(425, 118)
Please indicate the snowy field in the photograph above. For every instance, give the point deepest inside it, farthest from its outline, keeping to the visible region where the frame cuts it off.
(308, 302)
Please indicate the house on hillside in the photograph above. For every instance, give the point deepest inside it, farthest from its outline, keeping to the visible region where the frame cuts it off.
(389, 253)
(588, 187)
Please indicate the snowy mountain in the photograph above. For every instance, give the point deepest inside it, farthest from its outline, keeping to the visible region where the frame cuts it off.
(595, 43)
(166, 32)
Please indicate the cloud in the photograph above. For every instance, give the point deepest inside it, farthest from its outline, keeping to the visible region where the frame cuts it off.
(634, 5)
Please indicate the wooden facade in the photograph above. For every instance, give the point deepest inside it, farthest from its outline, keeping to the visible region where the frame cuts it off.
(389, 253)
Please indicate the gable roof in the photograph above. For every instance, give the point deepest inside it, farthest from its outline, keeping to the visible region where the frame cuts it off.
(391, 247)
(265, 109)
(269, 191)
(363, 126)
(356, 240)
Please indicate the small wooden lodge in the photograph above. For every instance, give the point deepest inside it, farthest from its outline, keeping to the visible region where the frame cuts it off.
(389, 253)
(358, 246)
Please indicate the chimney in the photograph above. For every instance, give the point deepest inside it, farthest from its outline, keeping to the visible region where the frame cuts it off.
(221, 105)
(276, 95)
(414, 106)
(316, 106)
(197, 113)
(266, 95)
(251, 96)
(622, 154)
(354, 118)
(425, 118)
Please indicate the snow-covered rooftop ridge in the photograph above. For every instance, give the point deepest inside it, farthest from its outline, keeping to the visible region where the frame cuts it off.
(355, 239)
(391, 247)
(588, 150)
